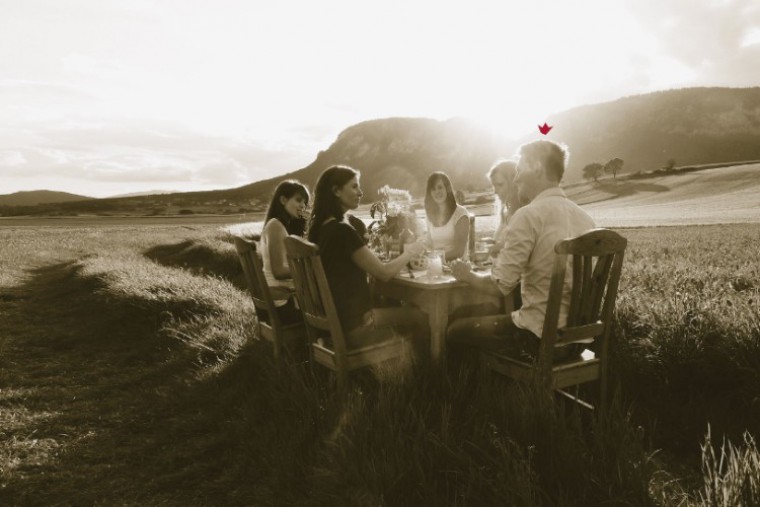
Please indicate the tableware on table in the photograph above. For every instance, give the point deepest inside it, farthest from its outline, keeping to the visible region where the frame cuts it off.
(435, 260)
(480, 255)
(419, 262)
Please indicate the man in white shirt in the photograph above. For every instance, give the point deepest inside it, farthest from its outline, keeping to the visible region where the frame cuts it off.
(527, 257)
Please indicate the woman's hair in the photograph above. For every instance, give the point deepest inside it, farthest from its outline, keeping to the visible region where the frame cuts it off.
(326, 203)
(431, 207)
(508, 170)
(287, 189)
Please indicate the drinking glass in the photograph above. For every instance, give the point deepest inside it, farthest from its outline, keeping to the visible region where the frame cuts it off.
(480, 255)
(435, 263)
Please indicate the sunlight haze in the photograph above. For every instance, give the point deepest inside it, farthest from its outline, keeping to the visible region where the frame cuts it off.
(105, 97)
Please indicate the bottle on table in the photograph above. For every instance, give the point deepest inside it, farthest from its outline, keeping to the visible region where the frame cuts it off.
(406, 237)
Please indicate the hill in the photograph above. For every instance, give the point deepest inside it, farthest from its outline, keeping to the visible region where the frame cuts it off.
(402, 152)
(691, 126)
(34, 197)
(144, 193)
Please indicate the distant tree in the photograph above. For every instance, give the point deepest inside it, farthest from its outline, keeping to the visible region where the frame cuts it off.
(670, 164)
(614, 166)
(459, 195)
(593, 171)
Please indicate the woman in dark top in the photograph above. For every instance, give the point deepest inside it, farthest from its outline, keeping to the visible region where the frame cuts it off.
(347, 261)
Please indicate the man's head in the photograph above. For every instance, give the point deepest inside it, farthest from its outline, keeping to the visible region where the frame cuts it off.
(541, 166)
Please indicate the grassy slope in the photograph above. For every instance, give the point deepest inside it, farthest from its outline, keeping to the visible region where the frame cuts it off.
(138, 382)
(130, 375)
(718, 195)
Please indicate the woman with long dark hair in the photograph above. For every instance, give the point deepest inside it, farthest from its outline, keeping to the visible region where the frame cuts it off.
(285, 215)
(347, 261)
(448, 223)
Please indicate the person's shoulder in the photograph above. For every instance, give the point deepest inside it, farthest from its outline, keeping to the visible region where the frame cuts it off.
(460, 211)
(356, 222)
(339, 227)
(273, 224)
(526, 215)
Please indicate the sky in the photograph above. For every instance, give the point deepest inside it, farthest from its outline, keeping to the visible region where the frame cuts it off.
(107, 97)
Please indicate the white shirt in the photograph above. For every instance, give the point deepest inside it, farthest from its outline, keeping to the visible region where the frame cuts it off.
(528, 254)
(266, 259)
(443, 237)
(501, 229)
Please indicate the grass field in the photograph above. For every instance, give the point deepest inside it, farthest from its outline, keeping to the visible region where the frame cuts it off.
(130, 375)
(708, 196)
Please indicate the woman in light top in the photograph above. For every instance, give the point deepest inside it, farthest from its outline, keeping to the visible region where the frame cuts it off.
(502, 177)
(448, 223)
(284, 216)
(347, 261)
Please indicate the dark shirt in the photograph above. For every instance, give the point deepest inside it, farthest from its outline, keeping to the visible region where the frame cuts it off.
(359, 226)
(348, 283)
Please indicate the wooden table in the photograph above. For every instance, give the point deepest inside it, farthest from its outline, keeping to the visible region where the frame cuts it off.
(431, 295)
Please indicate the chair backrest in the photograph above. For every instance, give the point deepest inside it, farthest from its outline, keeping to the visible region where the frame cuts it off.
(313, 293)
(253, 270)
(471, 237)
(597, 260)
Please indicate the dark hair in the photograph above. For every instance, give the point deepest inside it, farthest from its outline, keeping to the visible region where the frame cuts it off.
(287, 189)
(431, 208)
(552, 156)
(326, 203)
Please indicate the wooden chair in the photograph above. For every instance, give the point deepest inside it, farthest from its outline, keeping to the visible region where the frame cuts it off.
(326, 337)
(597, 260)
(274, 330)
(471, 237)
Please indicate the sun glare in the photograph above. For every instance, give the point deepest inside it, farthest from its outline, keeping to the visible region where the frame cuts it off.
(289, 76)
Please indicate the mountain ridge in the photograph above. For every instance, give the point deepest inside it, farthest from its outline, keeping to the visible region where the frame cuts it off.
(35, 197)
(648, 131)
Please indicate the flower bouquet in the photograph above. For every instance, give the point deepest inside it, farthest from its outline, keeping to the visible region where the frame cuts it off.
(391, 215)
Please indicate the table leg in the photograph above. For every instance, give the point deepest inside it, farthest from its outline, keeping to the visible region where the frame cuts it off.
(438, 315)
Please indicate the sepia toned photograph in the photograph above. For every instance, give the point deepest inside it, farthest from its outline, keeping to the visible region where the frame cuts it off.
(379, 254)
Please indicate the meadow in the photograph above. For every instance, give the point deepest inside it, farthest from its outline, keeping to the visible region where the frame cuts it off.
(130, 374)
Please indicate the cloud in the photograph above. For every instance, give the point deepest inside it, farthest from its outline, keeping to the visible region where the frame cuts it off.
(23, 88)
(11, 158)
(706, 36)
(139, 152)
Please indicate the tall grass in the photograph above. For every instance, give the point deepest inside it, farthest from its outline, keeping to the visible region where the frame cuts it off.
(688, 335)
(732, 475)
(131, 375)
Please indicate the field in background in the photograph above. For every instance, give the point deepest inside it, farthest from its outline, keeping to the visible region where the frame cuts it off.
(130, 374)
(708, 196)
(127, 221)
(705, 196)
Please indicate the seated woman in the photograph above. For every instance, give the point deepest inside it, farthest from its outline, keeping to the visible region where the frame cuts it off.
(448, 223)
(347, 261)
(502, 176)
(284, 217)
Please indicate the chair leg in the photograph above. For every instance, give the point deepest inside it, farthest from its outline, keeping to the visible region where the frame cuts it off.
(342, 377)
(575, 398)
(602, 394)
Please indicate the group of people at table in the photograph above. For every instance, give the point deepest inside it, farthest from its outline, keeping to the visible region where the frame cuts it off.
(534, 213)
